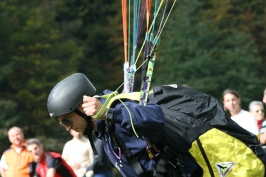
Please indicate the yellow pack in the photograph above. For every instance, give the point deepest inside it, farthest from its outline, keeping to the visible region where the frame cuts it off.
(221, 155)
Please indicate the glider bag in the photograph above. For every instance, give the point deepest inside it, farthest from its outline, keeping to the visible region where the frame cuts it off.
(196, 123)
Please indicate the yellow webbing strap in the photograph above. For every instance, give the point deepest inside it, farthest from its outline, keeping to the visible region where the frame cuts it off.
(110, 98)
(131, 96)
(103, 108)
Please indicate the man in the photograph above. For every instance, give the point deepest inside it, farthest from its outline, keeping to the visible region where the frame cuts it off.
(130, 121)
(263, 125)
(78, 154)
(50, 164)
(16, 161)
(256, 108)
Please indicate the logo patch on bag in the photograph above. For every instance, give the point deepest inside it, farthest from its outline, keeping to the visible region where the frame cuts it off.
(224, 167)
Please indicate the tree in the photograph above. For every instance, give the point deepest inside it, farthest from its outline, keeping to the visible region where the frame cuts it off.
(98, 28)
(248, 17)
(35, 55)
(208, 58)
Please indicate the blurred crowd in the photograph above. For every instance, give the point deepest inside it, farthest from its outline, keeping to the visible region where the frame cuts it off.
(252, 120)
(28, 158)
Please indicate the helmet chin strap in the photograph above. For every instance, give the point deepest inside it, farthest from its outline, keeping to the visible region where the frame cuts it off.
(88, 131)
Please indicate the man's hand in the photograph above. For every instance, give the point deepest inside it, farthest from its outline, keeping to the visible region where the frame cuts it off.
(91, 106)
(2, 172)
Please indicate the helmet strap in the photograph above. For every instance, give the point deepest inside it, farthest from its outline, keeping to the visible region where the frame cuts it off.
(81, 114)
(88, 131)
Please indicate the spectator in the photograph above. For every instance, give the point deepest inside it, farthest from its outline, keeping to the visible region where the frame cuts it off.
(16, 161)
(78, 154)
(263, 125)
(263, 135)
(256, 108)
(49, 163)
(102, 167)
(246, 120)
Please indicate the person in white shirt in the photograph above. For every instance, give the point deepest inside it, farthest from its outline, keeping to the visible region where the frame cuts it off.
(78, 154)
(231, 102)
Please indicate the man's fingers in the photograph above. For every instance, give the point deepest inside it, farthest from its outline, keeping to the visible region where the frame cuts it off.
(87, 98)
(91, 105)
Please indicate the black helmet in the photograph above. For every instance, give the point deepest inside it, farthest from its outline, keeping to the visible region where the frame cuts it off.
(68, 94)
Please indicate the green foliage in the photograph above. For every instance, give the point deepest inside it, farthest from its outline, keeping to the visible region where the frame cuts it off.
(207, 57)
(35, 57)
(99, 30)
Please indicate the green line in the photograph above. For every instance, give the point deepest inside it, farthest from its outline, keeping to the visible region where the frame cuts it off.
(155, 39)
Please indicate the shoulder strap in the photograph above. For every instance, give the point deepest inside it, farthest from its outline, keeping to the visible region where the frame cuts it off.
(135, 96)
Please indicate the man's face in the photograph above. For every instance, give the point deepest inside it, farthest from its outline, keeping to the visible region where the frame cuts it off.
(231, 102)
(15, 136)
(258, 112)
(73, 121)
(36, 151)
